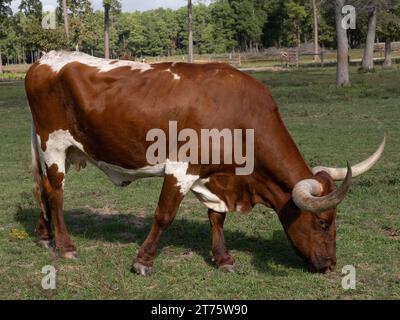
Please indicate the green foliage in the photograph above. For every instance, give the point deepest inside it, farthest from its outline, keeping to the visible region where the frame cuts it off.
(220, 27)
(249, 21)
(31, 8)
(5, 9)
(222, 16)
(389, 22)
(32, 36)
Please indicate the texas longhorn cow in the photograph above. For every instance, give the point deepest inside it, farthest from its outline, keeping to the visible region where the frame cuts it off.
(100, 111)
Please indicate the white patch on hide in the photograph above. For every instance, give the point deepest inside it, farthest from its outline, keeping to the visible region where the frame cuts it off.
(56, 147)
(56, 60)
(176, 76)
(179, 170)
(119, 175)
(206, 197)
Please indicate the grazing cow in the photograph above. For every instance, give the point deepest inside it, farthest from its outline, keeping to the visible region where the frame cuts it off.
(101, 111)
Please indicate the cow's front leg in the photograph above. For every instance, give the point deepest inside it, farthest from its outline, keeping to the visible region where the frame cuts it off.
(170, 199)
(220, 253)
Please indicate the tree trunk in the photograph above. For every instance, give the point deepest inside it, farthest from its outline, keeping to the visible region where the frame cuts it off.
(342, 71)
(107, 31)
(1, 63)
(190, 30)
(368, 59)
(298, 37)
(315, 30)
(65, 13)
(388, 53)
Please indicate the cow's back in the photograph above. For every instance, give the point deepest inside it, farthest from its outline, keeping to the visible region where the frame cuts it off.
(110, 106)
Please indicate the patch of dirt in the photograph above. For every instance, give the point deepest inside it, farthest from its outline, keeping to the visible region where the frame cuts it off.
(102, 211)
(188, 253)
(177, 258)
(138, 219)
(260, 69)
(67, 268)
(391, 233)
(126, 236)
(334, 277)
(154, 286)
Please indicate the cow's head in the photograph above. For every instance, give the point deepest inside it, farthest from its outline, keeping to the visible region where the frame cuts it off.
(309, 217)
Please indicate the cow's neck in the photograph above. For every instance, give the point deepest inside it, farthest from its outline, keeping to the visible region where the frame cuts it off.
(282, 166)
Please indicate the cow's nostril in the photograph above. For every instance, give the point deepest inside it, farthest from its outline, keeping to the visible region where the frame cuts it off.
(322, 266)
(328, 269)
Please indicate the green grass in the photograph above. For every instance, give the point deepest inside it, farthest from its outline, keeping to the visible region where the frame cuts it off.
(108, 224)
(14, 72)
(8, 76)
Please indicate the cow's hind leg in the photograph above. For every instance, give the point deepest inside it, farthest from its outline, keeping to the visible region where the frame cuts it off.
(220, 253)
(43, 231)
(170, 199)
(53, 194)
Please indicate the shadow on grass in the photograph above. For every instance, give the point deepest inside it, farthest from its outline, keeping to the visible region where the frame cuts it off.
(191, 235)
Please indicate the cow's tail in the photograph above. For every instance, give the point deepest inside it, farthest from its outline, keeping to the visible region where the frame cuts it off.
(39, 179)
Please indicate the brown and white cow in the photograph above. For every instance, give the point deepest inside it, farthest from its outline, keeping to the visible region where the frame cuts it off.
(100, 111)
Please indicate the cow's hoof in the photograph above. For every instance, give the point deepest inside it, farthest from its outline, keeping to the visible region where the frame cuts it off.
(45, 244)
(70, 255)
(142, 270)
(228, 268)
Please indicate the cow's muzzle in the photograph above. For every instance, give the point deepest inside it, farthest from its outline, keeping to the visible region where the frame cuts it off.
(322, 265)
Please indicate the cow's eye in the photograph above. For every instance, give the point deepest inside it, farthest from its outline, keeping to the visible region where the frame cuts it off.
(323, 223)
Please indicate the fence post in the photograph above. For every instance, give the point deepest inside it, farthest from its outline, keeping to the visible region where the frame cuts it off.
(322, 58)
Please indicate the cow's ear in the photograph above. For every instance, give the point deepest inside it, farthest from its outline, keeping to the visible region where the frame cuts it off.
(327, 182)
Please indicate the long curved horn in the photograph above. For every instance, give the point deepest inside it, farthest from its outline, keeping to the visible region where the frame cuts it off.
(339, 174)
(307, 194)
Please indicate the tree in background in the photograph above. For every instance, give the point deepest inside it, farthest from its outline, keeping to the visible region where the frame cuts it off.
(29, 19)
(5, 13)
(288, 23)
(368, 58)
(249, 18)
(79, 19)
(164, 31)
(31, 8)
(65, 15)
(190, 31)
(388, 29)
(130, 30)
(170, 34)
(315, 29)
(376, 13)
(342, 70)
(296, 15)
(222, 16)
(381, 13)
(204, 30)
(107, 7)
(223, 26)
(111, 8)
